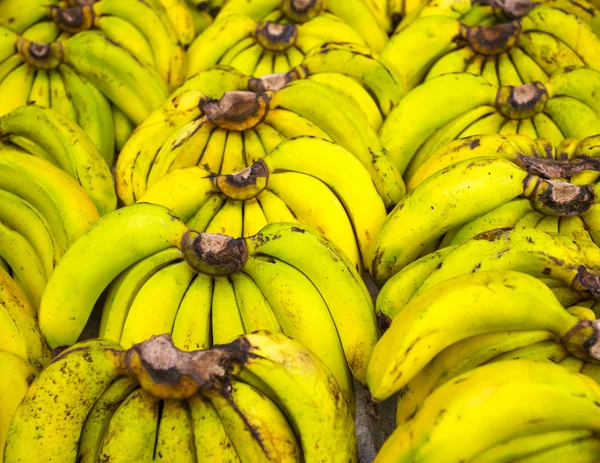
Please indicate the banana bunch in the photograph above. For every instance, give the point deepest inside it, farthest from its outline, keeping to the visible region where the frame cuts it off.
(262, 397)
(155, 32)
(203, 13)
(42, 211)
(460, 105)
(17, 375)
(299, 181)
(230, 131)
(515, 410)
(86, 78)
(163, 277)
(525, 50)
(356, 14)
(48, 135)
(19, 331)
(468, 305)
(555, 259)
(270, 46)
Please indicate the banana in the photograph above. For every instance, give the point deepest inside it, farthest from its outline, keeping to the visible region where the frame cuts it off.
(181, 19)
(289, 125)
(15, 88)
(175, 439)
(505, 216)
(562, 109)
(71, 294)
(93, 112)
(360, 62)
(537, 384)
(213, 445)
(147, 139)
(204, 216)
(60, 99)
(583, 450)
(458, 358)
(21, 333)
(227, 322)
(547, 350)
(210, 46)
(247, 60)
(399, 289)
(40, 89)
(548, 224)
(98, 419)
(459, 59)
(254, 309)
(161, 296)
(122, 128)
(20, 15)
(574, 227)
(354, 134)
(326, 28)
(18, 375)
(526, 250)
(71, 149)
(229, 220)
(132, 432)
(134, 88)
(20, 255)
(346, 296)
(254, 217)
(257, 428)
(87, 370)
(511, 294)
(274, 208)
(545, 127)
(192, 327)
(25, 219)
(455, 94)
(394, 247)
(530, 446)
(297, 305)
(123, 290)
(316, 403)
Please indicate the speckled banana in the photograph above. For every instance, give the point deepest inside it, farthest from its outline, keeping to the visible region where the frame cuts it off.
(20, 333)
(510, 294)
(69, 147)
(18, 375)
(537, 384)
(85, 371)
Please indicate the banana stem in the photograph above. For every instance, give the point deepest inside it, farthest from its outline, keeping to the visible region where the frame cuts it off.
(275, 36)
(560, 198)
(245, 184)
(521, 101)
(583, 340)
(511, 8)
(214, 254)
(491, 40)
(551, 168)
(274, 82)
(237, 110)
(170, 373)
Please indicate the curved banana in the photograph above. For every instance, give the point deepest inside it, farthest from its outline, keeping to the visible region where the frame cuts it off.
(175, 438)
(86, 370)
(71, 294)
(16, 379)
(412, 335)
(70, 148)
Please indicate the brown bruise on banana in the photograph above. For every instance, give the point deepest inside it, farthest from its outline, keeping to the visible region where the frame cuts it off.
(214, 254)
(491, 40)
(74, 19)
(300, 11)
(521, 101)
(40, 55)
(236, 110)
(275, 36)
(245, 184)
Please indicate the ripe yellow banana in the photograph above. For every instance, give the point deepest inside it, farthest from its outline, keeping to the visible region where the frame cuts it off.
(175, 439)
(85, 372)
(70, 148)
(18, 375)
(66, 306)
(487, 394)
(414, 340)
(15, 88)
(98, 419)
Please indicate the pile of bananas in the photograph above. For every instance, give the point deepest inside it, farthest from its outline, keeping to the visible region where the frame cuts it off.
(220, 220)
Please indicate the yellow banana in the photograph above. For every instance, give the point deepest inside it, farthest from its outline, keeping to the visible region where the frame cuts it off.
(15, 88)
(227, 322)
(511, 294)
(18, 375)
(254, 309)
(20, 15)
(86, 370)
(71, 294)
(175, 439)
(40, 89)
(123, 128)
